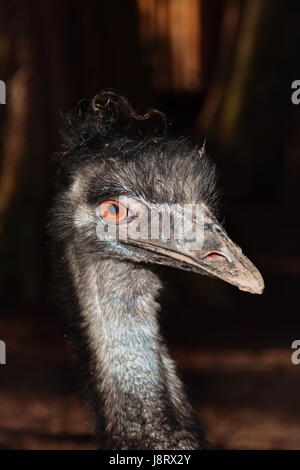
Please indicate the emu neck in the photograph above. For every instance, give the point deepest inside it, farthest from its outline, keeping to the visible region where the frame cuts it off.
(137, 397)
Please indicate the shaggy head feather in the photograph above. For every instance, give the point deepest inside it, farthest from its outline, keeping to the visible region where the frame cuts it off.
(105, 146)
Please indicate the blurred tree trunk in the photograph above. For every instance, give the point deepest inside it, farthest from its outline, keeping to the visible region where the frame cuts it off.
(250, 95)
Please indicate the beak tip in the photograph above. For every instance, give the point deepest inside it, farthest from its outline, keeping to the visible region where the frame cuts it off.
(260, 284)
(256, 287)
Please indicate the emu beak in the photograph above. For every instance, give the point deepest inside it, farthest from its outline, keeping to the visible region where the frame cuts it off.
(216, 255)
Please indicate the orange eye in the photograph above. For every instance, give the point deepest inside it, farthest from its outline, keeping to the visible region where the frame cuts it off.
(113, 211)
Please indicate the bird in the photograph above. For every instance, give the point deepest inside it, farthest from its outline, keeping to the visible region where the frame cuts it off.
(110, 176)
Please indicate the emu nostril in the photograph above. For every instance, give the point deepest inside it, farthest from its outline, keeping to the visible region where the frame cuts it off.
(214, 255)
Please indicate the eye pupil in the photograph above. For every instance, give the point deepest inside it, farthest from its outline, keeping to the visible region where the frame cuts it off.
(113, 209)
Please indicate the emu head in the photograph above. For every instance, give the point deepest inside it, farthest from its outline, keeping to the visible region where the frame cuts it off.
(142, 198)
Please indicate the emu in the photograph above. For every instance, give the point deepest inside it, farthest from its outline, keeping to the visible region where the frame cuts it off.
(110, 175)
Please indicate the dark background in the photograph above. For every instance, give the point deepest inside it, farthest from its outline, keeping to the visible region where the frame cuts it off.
(221, 69)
